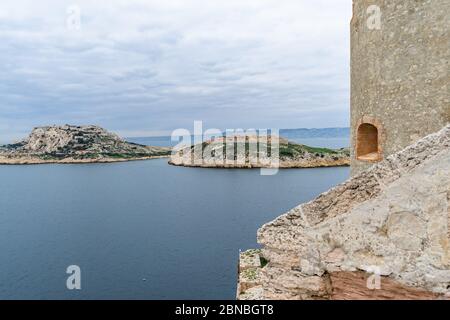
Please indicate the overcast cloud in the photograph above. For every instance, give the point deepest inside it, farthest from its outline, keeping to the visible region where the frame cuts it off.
(146, 67)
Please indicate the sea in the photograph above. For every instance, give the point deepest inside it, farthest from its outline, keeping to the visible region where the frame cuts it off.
(144, 229)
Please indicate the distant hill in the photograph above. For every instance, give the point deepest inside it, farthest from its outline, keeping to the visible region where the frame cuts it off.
(315, 133)
(322, 137)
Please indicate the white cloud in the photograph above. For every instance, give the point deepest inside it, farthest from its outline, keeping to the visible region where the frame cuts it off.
(150, 65)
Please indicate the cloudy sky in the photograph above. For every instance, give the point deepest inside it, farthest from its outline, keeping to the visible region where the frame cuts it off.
(147, 67)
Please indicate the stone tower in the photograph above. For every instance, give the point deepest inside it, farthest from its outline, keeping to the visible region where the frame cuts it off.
(400, 91)
(392, 219)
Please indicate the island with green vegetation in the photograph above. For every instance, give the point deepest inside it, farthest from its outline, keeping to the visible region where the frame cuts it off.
(254, 152)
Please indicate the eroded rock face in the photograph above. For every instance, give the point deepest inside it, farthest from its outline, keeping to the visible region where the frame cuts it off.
(353, 286)
(391, 220)
(75, 144)
(55, 139)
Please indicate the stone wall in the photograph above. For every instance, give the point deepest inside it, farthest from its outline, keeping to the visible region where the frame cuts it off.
(400, 73)
(391, 220)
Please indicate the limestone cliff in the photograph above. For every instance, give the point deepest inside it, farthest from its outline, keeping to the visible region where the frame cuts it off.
(391, 220)
(247, 152)
(75, 144)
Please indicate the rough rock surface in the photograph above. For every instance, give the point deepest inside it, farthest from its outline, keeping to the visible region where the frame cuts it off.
(250, 152)
(391, 220)
(75, 144)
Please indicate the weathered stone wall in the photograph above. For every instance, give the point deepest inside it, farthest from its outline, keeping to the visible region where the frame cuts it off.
(400, 73)
(392, 219)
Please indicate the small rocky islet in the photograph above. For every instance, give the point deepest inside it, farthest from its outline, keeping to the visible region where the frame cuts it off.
(93, 144)
(253, 149)
(76, 144)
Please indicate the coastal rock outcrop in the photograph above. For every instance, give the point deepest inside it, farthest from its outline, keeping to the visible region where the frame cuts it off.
(75, 144)
(252, 151)
(383, 234)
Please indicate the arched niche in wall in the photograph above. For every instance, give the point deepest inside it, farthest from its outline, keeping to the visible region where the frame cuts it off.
(369, 138)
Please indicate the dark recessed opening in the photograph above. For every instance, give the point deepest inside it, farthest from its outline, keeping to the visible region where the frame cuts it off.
(367, 143)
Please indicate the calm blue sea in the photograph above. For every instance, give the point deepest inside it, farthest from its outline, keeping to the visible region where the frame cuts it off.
(138, 230)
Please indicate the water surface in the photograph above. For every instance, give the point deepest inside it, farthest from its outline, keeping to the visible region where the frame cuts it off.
(138, 230)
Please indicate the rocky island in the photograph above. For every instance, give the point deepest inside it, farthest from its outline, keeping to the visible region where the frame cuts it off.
(291, 155)
(76, 144)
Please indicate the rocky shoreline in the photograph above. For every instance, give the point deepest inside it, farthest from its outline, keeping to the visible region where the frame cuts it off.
(282, 165)
(34, 161)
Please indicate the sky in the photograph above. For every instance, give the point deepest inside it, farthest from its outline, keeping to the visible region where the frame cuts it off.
(145, 67)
